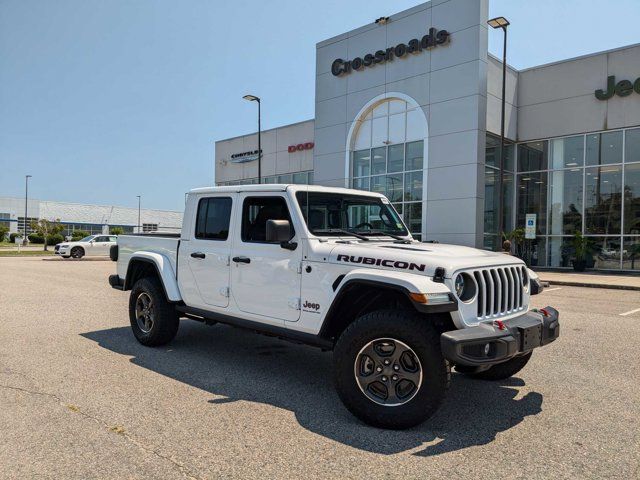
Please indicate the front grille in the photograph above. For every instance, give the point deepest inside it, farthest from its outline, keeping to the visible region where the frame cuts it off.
(500, 291)
(57, 247)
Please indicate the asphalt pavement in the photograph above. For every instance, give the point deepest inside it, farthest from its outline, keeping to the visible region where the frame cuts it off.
(80, 398)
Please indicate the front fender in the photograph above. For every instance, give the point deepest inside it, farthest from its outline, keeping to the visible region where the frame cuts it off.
(164, 269)
(409, 284)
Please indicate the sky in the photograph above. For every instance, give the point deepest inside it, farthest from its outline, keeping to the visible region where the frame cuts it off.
(103, 100)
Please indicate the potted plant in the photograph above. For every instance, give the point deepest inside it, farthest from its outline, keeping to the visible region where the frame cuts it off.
(581, 249)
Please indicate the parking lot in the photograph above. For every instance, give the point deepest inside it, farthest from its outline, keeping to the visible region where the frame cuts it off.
(82, 399)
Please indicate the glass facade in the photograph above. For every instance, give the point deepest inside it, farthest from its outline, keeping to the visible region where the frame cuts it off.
(491, 182)
(583, 183)
(388, 157)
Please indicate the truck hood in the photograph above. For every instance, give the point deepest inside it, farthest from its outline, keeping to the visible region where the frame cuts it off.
(421, 258)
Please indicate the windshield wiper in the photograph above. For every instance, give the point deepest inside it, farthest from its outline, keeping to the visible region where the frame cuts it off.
(392, 235)
(340, 230)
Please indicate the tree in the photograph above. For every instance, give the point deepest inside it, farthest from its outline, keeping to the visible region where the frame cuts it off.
(3, 232)
(116, 230)
(46, 228)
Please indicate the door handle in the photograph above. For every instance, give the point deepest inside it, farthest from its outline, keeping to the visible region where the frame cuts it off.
(241, 259)
(198, 255)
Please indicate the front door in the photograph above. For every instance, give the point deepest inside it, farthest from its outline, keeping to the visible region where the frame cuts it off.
(100, 245)
(204, 258)
(264, 276)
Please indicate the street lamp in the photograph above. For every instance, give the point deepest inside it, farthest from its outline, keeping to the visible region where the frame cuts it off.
(26, 199)
(253, 98)
(503, 23)
(138, 213)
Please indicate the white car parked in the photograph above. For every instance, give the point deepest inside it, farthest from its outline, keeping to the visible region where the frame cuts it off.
(93, 245)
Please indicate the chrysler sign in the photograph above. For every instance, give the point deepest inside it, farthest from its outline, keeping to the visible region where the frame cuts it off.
(245, 157)
(414, 46)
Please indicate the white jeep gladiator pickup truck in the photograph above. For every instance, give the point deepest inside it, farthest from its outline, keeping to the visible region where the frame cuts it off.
(338, 269)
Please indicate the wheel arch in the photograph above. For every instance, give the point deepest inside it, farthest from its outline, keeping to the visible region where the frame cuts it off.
(359, 294)
(146, 264)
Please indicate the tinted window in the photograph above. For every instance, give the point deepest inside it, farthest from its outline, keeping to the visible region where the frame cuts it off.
(212, 222)
(255, 213)
(102, 239)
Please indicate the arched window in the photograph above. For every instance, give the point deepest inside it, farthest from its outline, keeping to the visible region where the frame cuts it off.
(387, 156)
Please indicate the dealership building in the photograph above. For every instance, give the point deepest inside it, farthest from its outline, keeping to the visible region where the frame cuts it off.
(410, 106)
(94, 219)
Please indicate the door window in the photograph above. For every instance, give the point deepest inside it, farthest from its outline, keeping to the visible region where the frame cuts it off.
(212, 221)
(255, 213)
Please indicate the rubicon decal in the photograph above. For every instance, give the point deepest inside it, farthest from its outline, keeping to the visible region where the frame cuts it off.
(382, 262)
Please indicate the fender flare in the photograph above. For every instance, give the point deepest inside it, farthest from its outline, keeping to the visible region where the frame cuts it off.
(165, 273)
(398, 281)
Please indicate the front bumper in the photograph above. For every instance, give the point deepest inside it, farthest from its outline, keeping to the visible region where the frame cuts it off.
(488, 344)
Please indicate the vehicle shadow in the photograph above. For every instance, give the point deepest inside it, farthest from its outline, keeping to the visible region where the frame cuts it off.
(238, 365)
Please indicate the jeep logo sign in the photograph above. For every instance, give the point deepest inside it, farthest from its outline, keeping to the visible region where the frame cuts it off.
(623, 88)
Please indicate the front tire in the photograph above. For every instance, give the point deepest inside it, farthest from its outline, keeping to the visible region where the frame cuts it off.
(77, 252)
(389, 370)
(502, 371)
(154, 320)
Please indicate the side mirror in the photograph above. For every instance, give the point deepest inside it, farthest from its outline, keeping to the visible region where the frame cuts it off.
(278, 231)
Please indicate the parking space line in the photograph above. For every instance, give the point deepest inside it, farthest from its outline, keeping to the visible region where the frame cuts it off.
(629, 312)
(552, 289)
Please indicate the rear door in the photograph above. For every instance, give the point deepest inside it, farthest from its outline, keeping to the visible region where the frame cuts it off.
(265, 278)
(204, 258)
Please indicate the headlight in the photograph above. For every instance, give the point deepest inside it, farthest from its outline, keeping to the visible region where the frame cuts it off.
(465, 287)
(459, 285)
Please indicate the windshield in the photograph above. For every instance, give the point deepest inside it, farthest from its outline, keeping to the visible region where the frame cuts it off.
(338, 214)
(87, 239)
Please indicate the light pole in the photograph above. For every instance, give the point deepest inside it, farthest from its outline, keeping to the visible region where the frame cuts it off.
(503, 23)
(26, 200)
(138, 213)
(253, 98)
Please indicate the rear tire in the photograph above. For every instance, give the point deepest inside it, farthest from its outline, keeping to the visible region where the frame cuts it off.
(77, 252)
(502, 370)
(400, 343)
(154, 320)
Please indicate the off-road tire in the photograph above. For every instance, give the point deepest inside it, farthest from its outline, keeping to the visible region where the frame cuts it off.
(417, 333)
(503, 370)
(77, 252)
(165, 318)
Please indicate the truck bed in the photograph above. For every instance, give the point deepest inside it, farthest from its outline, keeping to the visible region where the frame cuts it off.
(164, 244)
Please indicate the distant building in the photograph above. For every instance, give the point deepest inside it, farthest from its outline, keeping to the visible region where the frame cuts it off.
(91, 218)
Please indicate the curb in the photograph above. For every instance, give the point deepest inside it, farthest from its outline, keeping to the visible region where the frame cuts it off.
(593, 285)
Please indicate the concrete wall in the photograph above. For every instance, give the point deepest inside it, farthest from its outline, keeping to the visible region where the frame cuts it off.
(276, 158)
(494, 98)
(449, 83)
(558, 99)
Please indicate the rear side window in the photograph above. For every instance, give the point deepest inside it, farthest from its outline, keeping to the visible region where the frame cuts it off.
(212, 221)
(255, 213)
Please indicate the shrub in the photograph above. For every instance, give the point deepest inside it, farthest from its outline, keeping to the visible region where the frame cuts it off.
(55, 239)
(13, 236)
(116, 230)
(78, 234)
(3, 232)
(35, 238)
